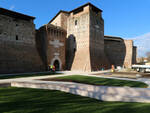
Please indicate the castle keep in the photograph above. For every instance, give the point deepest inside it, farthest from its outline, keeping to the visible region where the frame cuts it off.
(72, 40)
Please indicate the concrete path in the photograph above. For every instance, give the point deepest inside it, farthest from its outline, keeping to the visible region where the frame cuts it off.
(67, 73)
(28, 78)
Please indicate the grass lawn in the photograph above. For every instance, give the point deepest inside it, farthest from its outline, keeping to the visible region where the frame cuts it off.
(22, 100)
(99, 81)
(27, 75)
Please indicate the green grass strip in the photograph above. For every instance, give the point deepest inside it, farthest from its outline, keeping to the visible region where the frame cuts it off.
(102, 81)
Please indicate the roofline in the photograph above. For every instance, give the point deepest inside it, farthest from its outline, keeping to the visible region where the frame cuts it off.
(85, 6)
(61, 11)
(113, 38)
(14, 14)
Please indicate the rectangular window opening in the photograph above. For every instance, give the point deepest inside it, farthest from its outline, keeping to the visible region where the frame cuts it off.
(17, 37)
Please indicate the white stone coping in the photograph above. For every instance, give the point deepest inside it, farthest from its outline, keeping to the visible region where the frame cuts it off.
(105, 93)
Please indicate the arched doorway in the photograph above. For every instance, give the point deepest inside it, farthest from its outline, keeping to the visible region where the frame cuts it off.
(57, 65)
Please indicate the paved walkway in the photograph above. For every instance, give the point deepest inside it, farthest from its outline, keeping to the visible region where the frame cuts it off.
(67, 73)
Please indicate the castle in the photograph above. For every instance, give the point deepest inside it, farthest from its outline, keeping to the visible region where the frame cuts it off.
(72, 40)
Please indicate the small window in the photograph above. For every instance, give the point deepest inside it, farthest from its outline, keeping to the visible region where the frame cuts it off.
(5, 33)
(0, 31)
(74, 50)
(54, 32)
(16, 37)
(74, 39)
(76, 22)
(57, 33)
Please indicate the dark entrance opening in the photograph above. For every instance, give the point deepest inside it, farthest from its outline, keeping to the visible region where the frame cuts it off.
(57, 65)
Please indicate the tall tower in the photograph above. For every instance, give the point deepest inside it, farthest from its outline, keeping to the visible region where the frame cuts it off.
(85, 39)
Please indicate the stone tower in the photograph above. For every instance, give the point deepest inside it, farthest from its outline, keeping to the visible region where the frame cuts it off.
(86, 27)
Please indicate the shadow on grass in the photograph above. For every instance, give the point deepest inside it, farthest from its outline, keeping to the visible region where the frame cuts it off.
(22, 100)
(28, 75)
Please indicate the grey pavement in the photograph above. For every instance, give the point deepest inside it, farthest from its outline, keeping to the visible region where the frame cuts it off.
(67, 73)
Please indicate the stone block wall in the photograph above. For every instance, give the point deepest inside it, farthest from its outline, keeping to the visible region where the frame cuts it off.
(18, 52)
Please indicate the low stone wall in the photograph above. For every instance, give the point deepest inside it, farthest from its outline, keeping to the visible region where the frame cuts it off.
(105, 93)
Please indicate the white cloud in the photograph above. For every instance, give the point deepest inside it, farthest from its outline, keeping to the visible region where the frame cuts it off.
(144, 36)
(143, 43)
(12, 7)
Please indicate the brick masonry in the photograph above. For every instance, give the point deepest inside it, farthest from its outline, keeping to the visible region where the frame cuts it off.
(52, 41)
(98, 58)
(120, 52)
(18, 51)
(72, 40)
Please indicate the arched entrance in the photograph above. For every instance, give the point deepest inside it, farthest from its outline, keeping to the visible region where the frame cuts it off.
(57, 65)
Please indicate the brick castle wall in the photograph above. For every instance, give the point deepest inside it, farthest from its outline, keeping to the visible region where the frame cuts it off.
(52, 46)
(78, 55)
(120, 52)
(98, 58)
(115, 50)
(18, 52)
(134, 61)
(61, 20)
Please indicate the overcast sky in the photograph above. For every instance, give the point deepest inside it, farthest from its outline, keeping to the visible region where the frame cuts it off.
(129, 19)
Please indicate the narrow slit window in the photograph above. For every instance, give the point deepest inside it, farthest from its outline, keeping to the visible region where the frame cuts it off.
(76, 22)
(16, 37)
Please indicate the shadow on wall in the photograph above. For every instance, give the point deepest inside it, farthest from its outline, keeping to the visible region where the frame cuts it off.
(71, 47)
(41, 45)
(115, 50)
(98, 58)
